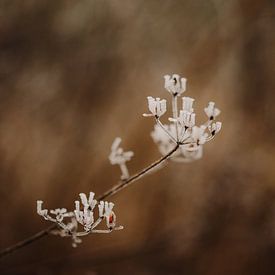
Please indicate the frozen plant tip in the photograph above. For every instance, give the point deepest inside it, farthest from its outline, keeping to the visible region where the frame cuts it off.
(180, 139)
(67, 223)
(156, 106)
(174, 84)
(119, 157)
(182, 129)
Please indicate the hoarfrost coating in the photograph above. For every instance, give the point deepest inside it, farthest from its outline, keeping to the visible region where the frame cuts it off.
(181, 128)
(180, 140)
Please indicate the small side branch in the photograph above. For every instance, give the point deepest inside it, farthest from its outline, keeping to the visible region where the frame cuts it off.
(117, 188)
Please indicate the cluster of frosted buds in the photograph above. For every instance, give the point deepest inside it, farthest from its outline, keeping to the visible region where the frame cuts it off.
(182, 129)
(86, 216)
(119, 157)
(68, 222)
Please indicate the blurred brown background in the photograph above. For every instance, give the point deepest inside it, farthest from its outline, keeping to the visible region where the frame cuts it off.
(75, 74)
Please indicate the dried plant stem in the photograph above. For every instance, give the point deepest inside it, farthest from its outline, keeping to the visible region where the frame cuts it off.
(117, 188)
(33, 238)
(135, 177)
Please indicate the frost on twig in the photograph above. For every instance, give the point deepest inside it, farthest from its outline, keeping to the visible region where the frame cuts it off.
(119, 157)
(182, 129)
(84, 214)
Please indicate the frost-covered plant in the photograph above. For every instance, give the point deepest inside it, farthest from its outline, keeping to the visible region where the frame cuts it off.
(182, 129)
(179, 140)
(68, 222)
(119, 157)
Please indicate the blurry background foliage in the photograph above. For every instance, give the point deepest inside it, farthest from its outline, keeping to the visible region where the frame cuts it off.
(75, 74)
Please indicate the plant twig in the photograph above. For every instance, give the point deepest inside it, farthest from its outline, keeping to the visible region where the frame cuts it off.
(31, 239)
(135, 177)
(117, 188)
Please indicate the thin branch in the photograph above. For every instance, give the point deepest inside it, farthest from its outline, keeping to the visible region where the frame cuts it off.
(117, 188)
(33, 238)
(135, 177)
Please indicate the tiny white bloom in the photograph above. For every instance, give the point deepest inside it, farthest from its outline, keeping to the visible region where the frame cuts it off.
(187, 119)
(89, 203)
(156, 106)
(211, 111)
(174, 84)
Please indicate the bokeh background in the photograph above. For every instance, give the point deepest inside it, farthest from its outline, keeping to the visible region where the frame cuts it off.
(75, 74)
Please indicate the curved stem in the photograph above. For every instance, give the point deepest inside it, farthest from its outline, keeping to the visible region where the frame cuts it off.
(117, 188)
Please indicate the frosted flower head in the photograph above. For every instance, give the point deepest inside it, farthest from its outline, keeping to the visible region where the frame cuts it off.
(118, 156)
(187, 103)
(211, 111)
(105, 210)
(85, 217)
(174, 84)
(156, 106)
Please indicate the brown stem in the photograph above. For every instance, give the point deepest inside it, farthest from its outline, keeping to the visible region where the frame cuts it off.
(110, 192)
(135, 177)
(31, 239)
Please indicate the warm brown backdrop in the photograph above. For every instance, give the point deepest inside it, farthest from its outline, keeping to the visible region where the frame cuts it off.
(75, 74)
